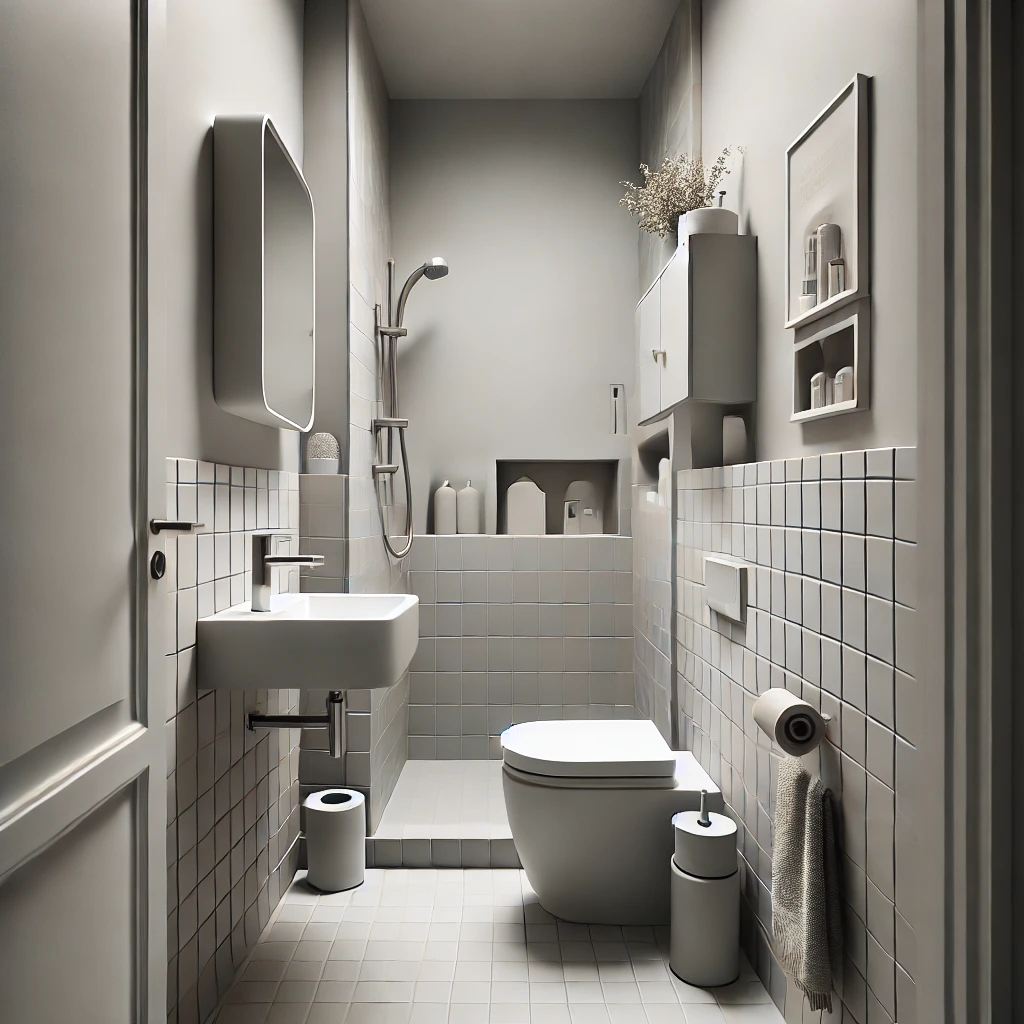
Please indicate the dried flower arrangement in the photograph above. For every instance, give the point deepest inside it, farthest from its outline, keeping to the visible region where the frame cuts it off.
(677, 187)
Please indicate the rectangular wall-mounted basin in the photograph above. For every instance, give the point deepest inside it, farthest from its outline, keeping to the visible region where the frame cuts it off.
(310, 641)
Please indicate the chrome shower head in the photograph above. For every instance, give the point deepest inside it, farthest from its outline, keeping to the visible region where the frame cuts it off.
(436, 268)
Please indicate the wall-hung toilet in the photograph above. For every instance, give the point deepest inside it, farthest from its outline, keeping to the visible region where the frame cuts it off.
(590, 806)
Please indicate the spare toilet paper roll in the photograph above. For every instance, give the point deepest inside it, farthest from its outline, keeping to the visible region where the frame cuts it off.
(335, 839)
(793, 723)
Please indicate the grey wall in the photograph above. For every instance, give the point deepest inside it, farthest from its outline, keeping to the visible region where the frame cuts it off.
(512, 354)
(229, 57)
(670, 118)
(325, 167)
(768, 69)
(383, 746)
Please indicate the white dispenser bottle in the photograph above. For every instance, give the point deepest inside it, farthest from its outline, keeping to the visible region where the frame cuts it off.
(469, 509)
(444, 509)
(525, 509)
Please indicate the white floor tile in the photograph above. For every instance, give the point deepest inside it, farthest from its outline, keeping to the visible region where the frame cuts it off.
(454, 946)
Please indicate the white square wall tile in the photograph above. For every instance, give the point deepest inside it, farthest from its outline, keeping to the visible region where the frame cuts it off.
(880, 576)
(879, 502)
(854, 565)
(853, 506)
(853, 465)
(880, 462)
(905, 573)
(906, 510)
(831, 505)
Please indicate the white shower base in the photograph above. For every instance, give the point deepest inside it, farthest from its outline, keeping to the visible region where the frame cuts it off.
(445, 814)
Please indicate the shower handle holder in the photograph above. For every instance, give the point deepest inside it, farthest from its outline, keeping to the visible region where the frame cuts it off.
(390, 423)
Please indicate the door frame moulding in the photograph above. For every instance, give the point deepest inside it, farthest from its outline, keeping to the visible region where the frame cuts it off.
(971, 481)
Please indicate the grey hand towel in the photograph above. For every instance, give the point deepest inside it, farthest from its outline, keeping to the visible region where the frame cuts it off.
(805, 884)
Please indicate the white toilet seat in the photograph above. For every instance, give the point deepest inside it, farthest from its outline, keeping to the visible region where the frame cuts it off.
(627, 749)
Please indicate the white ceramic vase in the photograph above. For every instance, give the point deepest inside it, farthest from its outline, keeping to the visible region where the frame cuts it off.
(715, 220)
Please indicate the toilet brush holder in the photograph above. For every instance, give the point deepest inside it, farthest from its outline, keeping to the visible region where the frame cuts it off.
(704, 948)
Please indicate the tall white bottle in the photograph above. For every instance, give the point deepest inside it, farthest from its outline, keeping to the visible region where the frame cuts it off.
(444, 509)
(469, 509)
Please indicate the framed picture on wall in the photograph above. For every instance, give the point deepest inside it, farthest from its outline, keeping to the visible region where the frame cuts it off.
(828, 200)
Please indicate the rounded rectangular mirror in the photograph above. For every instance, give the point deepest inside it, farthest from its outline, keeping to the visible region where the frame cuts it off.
(264, 343)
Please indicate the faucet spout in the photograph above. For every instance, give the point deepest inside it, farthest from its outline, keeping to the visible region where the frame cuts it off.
(262, 565)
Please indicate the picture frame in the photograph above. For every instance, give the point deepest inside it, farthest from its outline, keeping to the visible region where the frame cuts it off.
(828, 181)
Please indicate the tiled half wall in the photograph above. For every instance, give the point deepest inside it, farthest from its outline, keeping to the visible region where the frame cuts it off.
(375, 719)
(652, 606)
(232, 795)
(831, 543)
(516, 630)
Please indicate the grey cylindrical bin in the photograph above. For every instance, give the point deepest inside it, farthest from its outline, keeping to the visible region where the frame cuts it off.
(335, 839)
(705, 944)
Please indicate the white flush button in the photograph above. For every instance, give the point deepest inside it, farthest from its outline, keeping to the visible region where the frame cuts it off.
(725, 587)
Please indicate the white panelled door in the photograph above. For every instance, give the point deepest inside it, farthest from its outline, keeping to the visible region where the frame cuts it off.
(82, 763)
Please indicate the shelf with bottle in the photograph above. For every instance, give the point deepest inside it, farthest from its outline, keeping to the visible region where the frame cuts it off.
(830, 368)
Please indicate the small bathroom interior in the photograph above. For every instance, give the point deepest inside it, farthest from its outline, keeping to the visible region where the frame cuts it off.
(536, 514)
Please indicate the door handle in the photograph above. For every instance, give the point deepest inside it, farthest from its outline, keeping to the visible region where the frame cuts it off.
(655, 352)
(173, 526)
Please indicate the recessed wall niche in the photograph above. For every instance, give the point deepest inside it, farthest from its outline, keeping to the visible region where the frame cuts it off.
(553, 477)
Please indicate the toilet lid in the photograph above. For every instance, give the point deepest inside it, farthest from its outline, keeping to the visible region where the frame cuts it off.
(594, 749)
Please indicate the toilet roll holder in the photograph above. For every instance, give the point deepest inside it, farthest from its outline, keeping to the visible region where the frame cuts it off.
(798, 729)
(333, 720)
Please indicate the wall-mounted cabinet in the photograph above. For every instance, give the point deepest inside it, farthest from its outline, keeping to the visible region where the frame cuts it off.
(696, 327)
(264, 345)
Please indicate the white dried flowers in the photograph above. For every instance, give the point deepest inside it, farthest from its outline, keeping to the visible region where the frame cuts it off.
(678, 186)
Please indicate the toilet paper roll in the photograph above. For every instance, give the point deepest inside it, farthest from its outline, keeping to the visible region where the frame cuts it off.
(664, 483)
(793, 723)
(335, 839)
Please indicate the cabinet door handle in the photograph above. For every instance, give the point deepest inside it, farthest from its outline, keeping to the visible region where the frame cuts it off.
(655, 352)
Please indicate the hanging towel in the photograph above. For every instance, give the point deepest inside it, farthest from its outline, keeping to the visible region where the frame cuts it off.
(805, 884)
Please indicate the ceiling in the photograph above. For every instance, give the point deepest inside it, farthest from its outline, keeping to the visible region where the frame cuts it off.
(517, 49)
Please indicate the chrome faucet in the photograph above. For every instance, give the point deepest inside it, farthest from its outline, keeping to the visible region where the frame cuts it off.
(262, 565)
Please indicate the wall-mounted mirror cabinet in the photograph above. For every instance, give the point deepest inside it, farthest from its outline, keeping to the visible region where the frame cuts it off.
(264, 345)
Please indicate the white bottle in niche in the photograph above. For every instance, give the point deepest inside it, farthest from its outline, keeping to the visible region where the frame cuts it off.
(444, 509)
(469, 509)
(842, 388)
(525, 508)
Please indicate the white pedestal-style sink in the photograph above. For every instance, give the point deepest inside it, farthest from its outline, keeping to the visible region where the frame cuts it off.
(310, 641)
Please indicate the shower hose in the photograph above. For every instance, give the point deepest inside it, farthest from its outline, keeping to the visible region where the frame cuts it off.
(397, 554)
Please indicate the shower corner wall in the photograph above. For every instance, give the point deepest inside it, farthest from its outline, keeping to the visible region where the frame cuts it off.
(346, 115)
(370, 568)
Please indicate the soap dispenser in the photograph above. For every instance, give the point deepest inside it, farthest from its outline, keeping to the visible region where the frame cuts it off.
(444, 509)
(469, 509)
